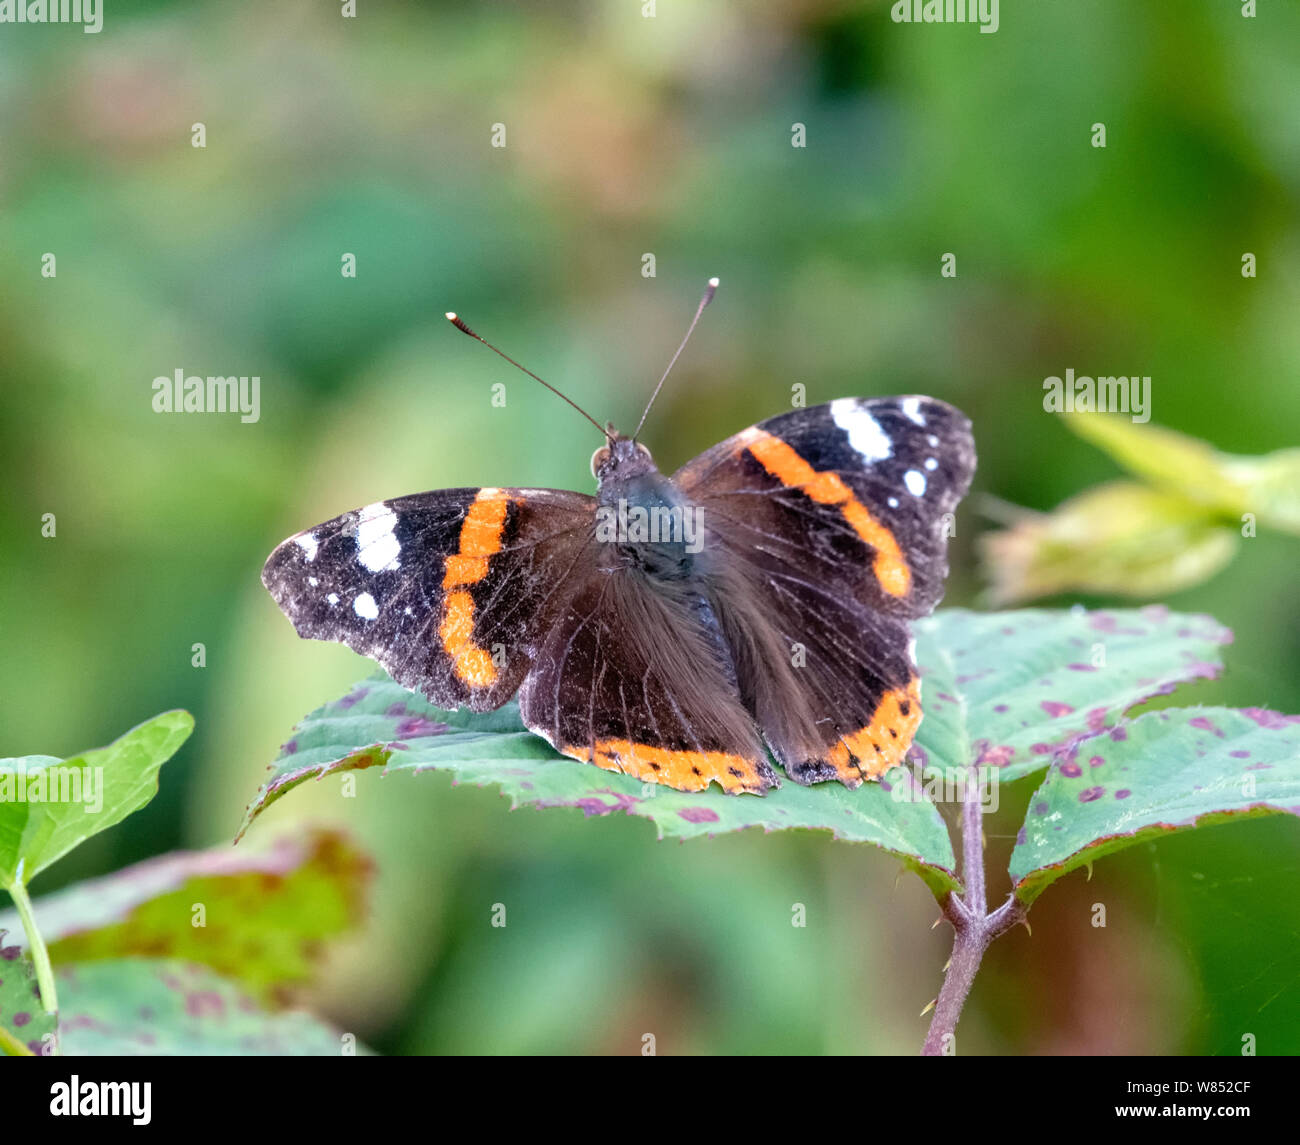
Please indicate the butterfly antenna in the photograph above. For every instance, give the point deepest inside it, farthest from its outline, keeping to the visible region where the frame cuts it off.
(460, 325)
(709, 292)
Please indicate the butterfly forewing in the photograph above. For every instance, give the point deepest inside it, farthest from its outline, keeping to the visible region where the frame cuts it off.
(451, 591)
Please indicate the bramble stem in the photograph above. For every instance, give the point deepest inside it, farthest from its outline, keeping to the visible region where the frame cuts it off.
(11, 1047)
(974, 927)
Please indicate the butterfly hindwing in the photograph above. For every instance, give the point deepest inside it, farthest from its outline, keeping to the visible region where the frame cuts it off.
(829, 530)
(637, 680)
(451, 591)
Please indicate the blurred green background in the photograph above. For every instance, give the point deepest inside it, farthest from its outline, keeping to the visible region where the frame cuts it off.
(629, 135)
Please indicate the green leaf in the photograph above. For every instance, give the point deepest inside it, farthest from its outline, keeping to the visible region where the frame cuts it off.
(48, 806)
(166, 1007)
(1122, 538)
(380, 724)
(1165, 771)
(24, 1024)
(266, 914)
(1011, 689)
(1267, 486)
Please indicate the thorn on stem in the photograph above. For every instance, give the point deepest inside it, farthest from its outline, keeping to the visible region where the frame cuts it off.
(930, 1005)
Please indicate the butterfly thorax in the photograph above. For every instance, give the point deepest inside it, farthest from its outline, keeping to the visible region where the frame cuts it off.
(643, 518)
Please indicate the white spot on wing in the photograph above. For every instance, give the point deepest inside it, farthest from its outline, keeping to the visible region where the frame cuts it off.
(912, 410)
(893, 502)
(309, 545)
(311, 580)
(365, 607)
(333, 598)
(915, 482)
(931, 464)
(865, 434)
(377, 547)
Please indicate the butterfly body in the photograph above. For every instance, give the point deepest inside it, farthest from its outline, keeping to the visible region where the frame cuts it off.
(672, 628)
(652, 526)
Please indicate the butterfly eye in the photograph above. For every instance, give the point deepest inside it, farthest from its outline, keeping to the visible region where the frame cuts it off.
(598, 459)
(641, 449)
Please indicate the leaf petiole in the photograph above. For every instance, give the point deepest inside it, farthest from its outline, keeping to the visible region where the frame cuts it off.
(35, 943)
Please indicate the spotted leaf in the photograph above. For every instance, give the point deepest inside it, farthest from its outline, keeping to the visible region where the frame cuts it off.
(1165, 771)
(1011, 689)
(380, 724)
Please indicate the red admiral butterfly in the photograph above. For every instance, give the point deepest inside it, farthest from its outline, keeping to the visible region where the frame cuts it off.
(668, 627)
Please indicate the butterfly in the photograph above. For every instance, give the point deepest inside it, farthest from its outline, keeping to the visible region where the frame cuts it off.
(676, 628)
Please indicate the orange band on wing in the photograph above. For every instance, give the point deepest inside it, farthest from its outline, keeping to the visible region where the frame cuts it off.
(871, 751)
(784, 463)
(684, 770)
(480, 540)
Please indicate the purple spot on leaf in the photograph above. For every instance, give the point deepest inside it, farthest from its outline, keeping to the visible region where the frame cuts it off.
(204, 1003)
(698, 815)
(413, 727)
(1201, 670)
(1093, 793)
(1269, 719)
(1055, 708)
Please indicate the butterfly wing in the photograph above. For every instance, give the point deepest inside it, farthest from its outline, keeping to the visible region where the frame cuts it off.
(829, 528)
(451, 591)
(636, 679)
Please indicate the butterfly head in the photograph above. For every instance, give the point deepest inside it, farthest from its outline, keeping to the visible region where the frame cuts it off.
(620, 458)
